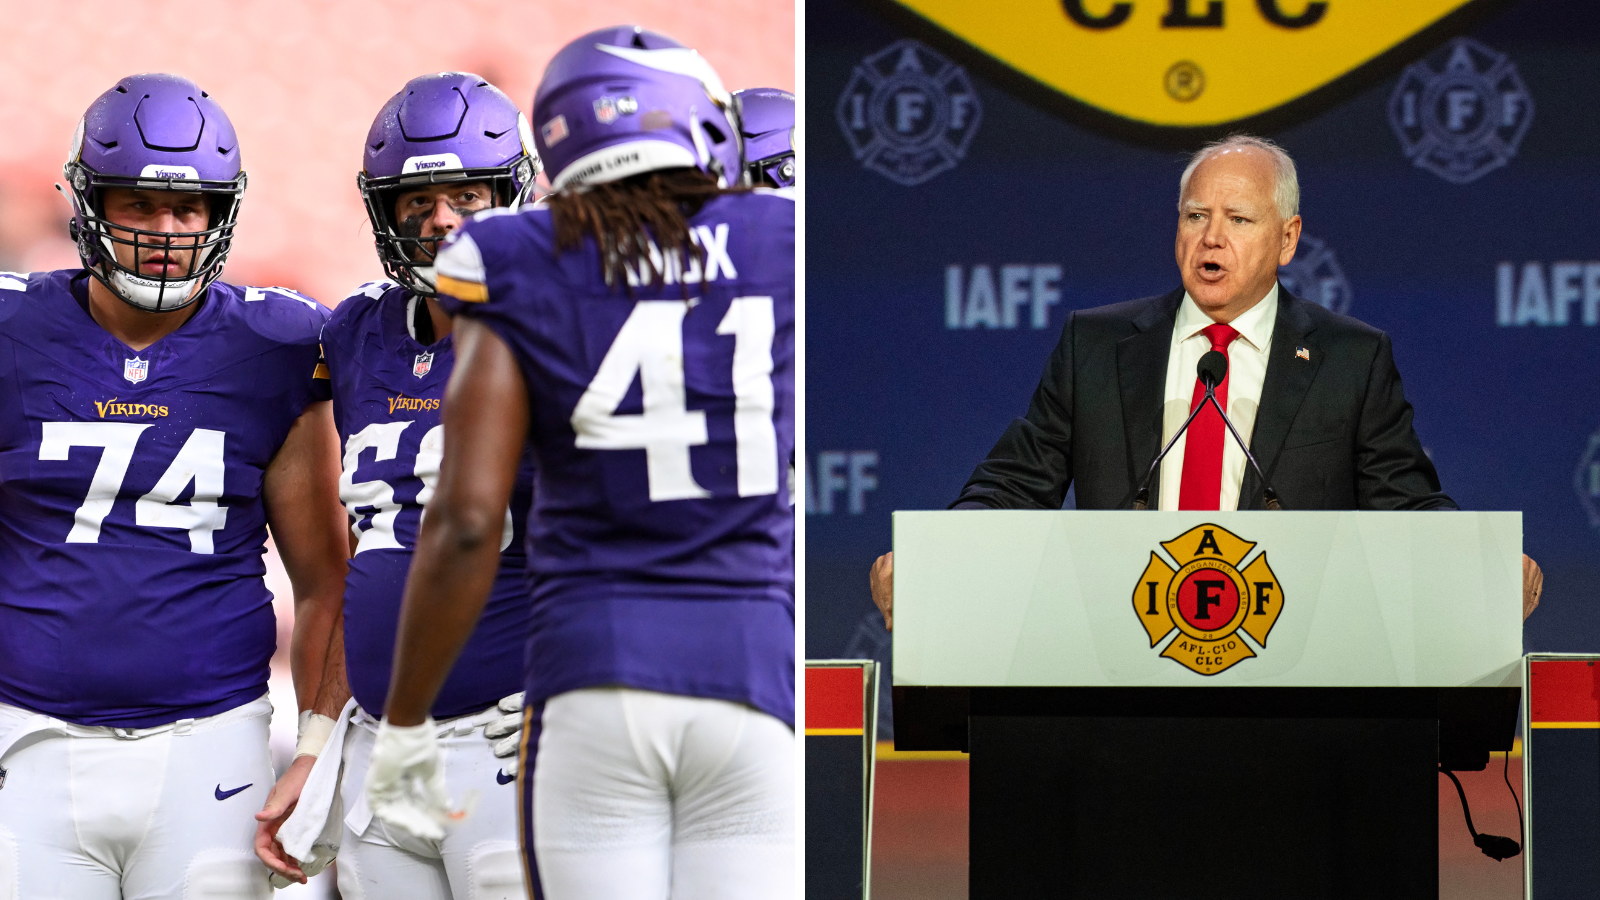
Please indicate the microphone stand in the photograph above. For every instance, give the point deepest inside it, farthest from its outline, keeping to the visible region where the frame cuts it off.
(1141, 500)
(1267, 493)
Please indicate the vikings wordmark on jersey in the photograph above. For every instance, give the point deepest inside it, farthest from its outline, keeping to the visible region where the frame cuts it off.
(131, 518)
(387, 389)
(663, 417)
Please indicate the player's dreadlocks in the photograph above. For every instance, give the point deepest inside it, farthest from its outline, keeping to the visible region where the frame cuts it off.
(626, 216)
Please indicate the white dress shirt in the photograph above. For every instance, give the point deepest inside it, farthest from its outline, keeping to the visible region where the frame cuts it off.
(1247, 369)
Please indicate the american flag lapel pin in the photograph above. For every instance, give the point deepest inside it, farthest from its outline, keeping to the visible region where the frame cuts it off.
(1302, 353)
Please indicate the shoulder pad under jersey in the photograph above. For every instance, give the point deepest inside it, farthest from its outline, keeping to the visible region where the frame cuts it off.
(276, 313)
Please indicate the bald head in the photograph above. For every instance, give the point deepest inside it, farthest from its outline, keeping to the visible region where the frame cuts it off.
(1237, 224)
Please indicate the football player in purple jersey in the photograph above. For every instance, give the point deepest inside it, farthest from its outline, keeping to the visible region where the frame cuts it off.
(446, 146)
(766, 122)
(637, 332)
(154, 424)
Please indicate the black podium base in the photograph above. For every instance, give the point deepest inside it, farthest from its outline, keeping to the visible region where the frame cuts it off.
(1174, 808)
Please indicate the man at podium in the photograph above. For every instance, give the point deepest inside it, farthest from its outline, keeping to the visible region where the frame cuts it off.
(1315, 394)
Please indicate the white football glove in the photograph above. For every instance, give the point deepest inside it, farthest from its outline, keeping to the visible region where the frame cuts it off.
(321, 855)
(505, 733)
(405, 781)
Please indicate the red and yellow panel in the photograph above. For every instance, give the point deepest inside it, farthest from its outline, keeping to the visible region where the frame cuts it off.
(1563, 693)
(835, 700)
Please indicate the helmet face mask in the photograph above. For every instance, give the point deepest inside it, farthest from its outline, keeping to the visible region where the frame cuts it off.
(154, 133)
(441, 129)
(408, 258)
(772, 171)
(767, 118)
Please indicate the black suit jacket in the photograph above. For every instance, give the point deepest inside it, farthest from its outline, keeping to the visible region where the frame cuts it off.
(1332, 432)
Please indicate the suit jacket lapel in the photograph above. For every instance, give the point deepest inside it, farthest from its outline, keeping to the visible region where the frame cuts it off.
(1141, 380)
(1288, 379)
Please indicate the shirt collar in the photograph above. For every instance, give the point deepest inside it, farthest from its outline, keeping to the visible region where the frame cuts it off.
(1254, 326)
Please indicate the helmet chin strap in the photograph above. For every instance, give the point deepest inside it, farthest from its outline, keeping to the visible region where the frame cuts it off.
(153, 295)
(425, 275)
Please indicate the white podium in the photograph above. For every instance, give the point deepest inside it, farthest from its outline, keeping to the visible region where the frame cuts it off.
(1150, 695)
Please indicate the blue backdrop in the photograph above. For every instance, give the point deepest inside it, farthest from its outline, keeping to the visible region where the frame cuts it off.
(931, 306)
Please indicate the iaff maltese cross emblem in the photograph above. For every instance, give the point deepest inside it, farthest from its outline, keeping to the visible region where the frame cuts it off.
(1461, 111)
(909, 113)
(1209, 600)
(1314, 275)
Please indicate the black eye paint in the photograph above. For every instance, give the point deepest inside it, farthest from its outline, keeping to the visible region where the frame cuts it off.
(422, 250)
(411, 226)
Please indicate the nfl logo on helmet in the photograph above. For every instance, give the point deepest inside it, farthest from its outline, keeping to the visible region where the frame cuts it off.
(135, 369)
(423, 364)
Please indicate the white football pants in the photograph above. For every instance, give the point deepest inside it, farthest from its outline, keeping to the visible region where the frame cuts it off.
(645, 796)
(479, 858)
(166, 813)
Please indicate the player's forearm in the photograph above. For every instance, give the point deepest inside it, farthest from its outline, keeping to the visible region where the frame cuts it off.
(315, 556)
(309, 526)
(315, 620)
(452, 573)
(335, 687)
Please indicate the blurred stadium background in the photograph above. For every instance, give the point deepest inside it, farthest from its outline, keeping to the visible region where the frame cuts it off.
(302, 81)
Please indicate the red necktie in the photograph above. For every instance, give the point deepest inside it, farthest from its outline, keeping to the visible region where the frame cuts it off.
(1202, 447)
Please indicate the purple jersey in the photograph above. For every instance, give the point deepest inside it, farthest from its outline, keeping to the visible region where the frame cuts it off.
(662, 419)
(131, 520)
(387, 389)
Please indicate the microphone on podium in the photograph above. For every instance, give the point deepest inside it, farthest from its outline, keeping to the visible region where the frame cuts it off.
(1212, 369)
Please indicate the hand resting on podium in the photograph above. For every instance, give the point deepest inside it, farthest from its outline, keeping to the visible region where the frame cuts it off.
(883, 587)
(1532, 586)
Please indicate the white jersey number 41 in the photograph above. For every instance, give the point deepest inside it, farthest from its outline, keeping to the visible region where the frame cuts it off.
(650, 345)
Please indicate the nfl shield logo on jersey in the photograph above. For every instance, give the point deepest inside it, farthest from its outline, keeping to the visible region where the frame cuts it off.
(423, 365)
(135, 369)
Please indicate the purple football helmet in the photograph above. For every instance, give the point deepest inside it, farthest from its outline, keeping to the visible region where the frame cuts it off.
(766, 121)
(449, 126)
(154, 133)
(621, 101)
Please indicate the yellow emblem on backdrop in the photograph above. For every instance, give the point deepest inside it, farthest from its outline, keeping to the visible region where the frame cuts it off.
(1185, 63)
(1208, 599)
